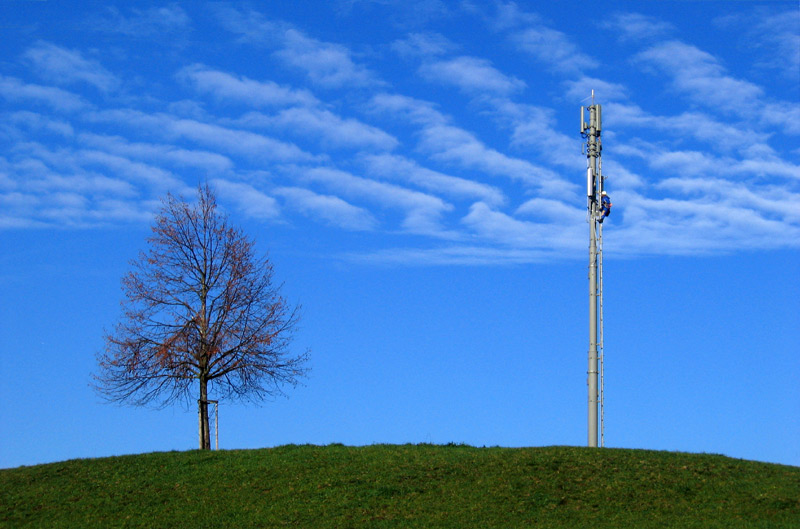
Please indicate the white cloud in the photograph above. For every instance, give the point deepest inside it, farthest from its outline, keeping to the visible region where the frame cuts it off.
(773, 202)
(248, 199)
(56, 188)
(620, 177)
(507, 15)
(758, 162)
(701, 126)
(702, 225)
(768, 166)
(458, 255)
(415, 110)
(774, 34)
(333, 130)
(137, 172)
(238, 141)
(637, 26)
(534, 128)
(330, 209)
(394, 166)
(165, 153)
(472, 75)
(15, 90)
(110, 210)
(61, 65)
(779, 35)
(15, 201)
(580, 90)
(327, 64)
(555, 211)
(422, 211)
(424, 45)
(507, 182)
(691, 163)
(144, 23)
(383, 193)
(86, 182)
(554, 49)
(251, 26)
(700, 76)
(41, 123)
(500, 228)
(249, 144)
(785, 115)
(404, 13)
(447, 143)
(44, 170)
(226, 87)
(455, 145)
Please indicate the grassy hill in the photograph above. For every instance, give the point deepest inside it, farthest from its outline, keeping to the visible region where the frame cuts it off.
(422, 486)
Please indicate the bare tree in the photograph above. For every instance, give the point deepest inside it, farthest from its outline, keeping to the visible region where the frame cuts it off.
(200, 310)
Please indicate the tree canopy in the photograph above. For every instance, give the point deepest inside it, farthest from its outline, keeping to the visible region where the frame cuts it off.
(200, 309)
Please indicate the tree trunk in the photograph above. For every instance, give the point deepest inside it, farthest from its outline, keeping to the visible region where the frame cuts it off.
(202, 410)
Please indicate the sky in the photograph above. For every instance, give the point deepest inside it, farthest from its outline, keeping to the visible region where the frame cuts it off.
(414, 170)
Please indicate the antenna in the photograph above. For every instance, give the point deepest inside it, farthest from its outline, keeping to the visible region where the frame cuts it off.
(591, 132)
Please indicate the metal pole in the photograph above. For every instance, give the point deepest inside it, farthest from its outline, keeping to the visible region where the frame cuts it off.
(216, 422)
(200, 421)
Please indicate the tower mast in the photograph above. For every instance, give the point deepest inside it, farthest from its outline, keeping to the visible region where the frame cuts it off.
(591, 131)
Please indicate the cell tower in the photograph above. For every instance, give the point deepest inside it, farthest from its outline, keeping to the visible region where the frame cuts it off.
(593, 148)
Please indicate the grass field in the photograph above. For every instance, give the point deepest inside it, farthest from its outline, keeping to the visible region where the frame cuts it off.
(415, 486)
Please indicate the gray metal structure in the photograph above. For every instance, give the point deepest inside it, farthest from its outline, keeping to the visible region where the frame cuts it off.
(591, 131)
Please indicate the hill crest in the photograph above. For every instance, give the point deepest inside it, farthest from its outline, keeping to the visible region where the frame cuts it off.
(403, 486)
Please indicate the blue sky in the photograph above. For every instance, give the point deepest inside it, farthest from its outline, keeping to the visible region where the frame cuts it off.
(414, 170)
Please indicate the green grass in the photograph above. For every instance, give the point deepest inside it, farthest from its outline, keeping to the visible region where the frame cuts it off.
(422, 486)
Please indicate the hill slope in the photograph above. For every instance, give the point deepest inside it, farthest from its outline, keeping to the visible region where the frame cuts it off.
(421, 486)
